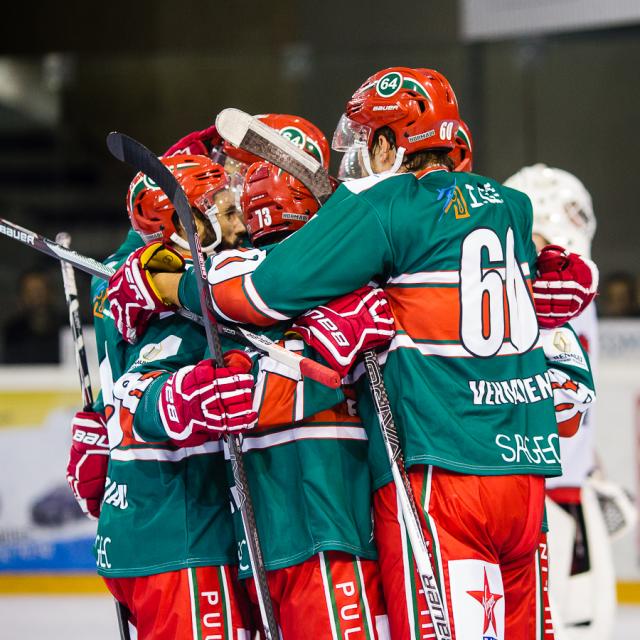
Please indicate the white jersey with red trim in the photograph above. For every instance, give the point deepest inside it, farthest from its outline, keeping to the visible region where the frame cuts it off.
(578, 452)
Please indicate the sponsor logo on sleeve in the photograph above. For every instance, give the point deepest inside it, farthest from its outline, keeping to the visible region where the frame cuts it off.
(158, 350)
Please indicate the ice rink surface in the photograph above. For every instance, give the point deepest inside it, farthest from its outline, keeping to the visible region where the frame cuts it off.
(94, 618)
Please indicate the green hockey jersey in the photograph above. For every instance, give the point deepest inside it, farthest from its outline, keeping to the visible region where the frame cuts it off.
(466, 373)
(307, 469)
(307, 459)
(164, 508)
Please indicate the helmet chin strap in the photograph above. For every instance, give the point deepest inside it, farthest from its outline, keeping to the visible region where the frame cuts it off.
(366, 160)
(212, 216)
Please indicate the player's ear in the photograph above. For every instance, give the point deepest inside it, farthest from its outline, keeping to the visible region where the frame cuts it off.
(381, 144)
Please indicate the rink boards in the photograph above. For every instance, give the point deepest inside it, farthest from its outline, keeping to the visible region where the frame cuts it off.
(45, 543)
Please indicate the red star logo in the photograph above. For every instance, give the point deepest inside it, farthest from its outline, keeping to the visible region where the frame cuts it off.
(488, 601)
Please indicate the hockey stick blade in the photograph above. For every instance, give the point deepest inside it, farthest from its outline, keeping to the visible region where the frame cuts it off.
(249, 133)
(130, 151)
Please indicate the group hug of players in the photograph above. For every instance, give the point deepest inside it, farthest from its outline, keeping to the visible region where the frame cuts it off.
(413, 255)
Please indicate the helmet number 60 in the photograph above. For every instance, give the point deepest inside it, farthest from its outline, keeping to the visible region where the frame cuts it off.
(446, 130)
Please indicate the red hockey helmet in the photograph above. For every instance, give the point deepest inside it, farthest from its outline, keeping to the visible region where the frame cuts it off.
(299, 130)
(418, 105)
(273, 201)
(151, 212)
(462, 153)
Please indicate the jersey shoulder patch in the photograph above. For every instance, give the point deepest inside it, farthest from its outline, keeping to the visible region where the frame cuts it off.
(158, 350)
(562, 347)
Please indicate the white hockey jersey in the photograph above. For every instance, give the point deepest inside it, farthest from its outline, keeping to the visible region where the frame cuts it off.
(578, 453)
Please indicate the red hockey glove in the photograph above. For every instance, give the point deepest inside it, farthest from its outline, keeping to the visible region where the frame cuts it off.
(565, 285)
(133, 297)
(203, 402)
(346, 326)
(197, 143)
(88, 460)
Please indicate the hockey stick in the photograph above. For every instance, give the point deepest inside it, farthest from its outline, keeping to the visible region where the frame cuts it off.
(302, 366)
(71, 296)
(140, 158)
(408, 507)
(249, 133)
(277, 150)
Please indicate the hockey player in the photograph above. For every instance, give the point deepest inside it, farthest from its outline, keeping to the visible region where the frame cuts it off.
(322, 574)
(165, 542)
(582, 578)
(466, 373)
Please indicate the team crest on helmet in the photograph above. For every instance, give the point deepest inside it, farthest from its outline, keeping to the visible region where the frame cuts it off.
(298, 137)
(389, 84)
(140, 182)
(461, 133)
(143, 181)
(414, 85)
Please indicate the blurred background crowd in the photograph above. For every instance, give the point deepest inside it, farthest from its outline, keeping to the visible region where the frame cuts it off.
(564, 93)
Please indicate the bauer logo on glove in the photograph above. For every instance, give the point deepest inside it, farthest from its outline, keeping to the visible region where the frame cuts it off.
(88, 461)
(202, 402)
(347, 326)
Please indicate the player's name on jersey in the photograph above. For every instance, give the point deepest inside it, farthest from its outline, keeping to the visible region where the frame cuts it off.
(513, 391)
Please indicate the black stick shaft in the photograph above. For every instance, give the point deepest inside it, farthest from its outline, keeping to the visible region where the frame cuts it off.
(53, 249)
(137, 155)
(71, 296)
(122, 614)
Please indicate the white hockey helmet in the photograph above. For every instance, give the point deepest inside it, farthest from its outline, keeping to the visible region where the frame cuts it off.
(562, 208)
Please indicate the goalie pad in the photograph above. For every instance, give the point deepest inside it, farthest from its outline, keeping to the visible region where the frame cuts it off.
(618, 510)
(560, 540)
(584, 603)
